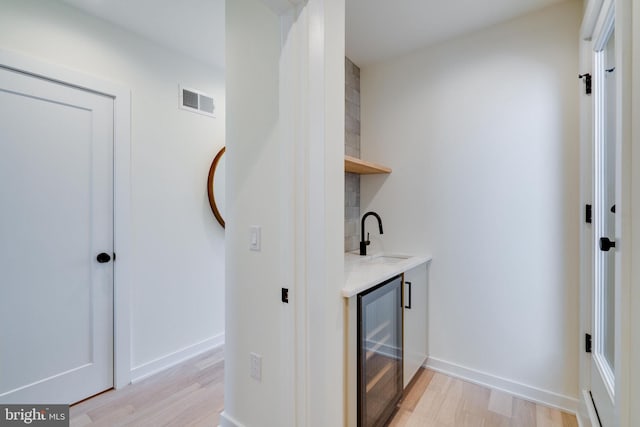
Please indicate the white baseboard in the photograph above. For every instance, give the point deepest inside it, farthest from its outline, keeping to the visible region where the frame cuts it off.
(160, 364)
(227, 421)
(545, 397)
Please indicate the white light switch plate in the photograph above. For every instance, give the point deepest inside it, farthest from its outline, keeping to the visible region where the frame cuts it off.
(254, 237)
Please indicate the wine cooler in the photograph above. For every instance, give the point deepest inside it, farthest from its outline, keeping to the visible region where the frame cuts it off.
(379, 352)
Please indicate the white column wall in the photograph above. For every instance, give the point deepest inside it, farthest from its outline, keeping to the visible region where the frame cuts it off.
(285, 142)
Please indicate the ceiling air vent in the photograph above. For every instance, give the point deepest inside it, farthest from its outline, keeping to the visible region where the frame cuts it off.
(196, 102)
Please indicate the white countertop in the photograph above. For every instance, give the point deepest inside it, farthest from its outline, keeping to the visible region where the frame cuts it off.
(363, 272)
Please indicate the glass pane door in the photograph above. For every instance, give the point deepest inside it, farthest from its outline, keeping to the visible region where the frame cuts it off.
(604, 314)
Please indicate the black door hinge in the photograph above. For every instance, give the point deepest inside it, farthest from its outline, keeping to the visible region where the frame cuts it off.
(588, 214)
(587, 343)
(285, 295)
(587, 82)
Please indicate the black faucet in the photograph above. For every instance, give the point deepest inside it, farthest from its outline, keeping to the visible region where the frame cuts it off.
(364, 243)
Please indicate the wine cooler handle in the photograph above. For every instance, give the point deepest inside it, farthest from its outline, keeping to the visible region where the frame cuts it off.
(409, 289)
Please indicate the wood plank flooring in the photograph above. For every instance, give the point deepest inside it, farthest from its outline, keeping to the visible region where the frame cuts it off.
(437, 400)
(191, 395)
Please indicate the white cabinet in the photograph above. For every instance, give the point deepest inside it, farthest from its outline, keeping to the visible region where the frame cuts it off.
(364, 273)
(415, 293)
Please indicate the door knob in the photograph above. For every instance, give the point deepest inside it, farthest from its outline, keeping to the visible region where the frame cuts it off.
(606, 244)
(103, 257)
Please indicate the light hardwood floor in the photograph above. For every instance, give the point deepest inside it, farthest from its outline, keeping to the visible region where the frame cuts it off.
(191, 394)
(437, 400)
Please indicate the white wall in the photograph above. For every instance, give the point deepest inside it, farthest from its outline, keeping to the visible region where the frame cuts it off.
(177, 283)
(627, 345)
(482, 136)
(632, 27)
(285, 145)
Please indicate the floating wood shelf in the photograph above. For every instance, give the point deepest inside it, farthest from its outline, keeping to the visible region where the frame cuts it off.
(362, 167)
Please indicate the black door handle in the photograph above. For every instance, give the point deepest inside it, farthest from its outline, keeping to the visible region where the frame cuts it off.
(409, 289)
(103, 257)
(606, 244)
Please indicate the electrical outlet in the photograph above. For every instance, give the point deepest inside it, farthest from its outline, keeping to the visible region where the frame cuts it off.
(255, 370)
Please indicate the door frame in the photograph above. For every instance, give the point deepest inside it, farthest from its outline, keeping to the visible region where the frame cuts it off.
(603, 389)
(121, 191)
(627, 300)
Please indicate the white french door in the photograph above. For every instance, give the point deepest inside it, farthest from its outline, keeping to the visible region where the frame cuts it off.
(606, 219)
(56, 241)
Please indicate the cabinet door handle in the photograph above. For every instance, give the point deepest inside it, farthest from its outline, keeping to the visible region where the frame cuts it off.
(409, 289)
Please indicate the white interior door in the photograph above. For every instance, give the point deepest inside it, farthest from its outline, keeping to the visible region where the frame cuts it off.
(56, 216)
(605, 229)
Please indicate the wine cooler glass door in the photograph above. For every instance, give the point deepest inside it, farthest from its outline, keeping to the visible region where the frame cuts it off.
(379, 352)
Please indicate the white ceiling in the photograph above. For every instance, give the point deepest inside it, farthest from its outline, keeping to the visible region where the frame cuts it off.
(381, 29)
(375, 29)
(194, 27)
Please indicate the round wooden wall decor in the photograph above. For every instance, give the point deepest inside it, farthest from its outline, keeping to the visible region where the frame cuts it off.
(216, 186)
